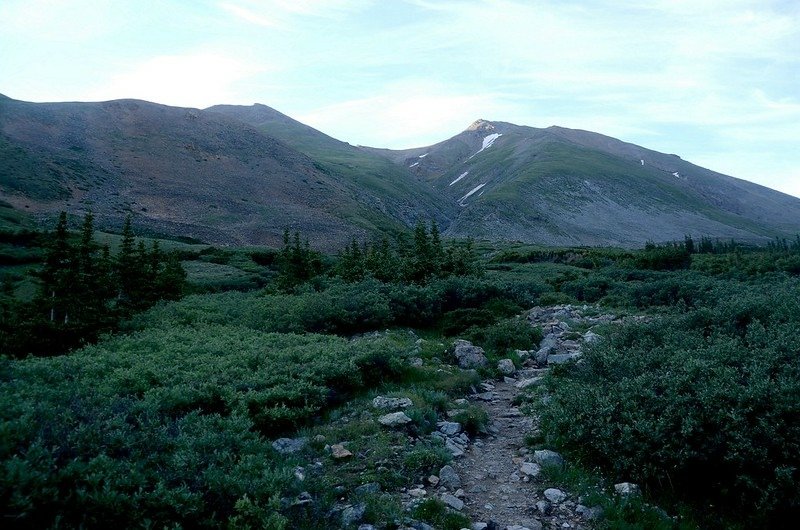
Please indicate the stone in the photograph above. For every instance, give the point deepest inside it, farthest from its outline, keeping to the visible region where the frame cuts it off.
(287, 446)
(548, 458)
(416, 362)
(469, 356)
(590, 337)
(479, 526)
(366, 527)
(533, 381)
(394, 419)
(530, 469)
(627, 489)
(389, 403)
(448, 478)
(339, 451)
(554, 495)
(449, 428)
(561, 358)
(506, 366)
(353, 514)
(509, 380)
(453, 501)
(543, 507)
(433, 480)
(453, 447)
(417, 493)
(370, 487)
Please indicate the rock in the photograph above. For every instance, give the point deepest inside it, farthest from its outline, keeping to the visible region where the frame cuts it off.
(520, 527)
(394, 419)
(479, 526)
(417, 493)
(530, 469)
(533, 381)
(338, 451)
(449, 428)
(506, 366)
(547, 458)
(287, 446)
(370, 487)
(454, 448)
(549, 343)
(561, 358)
(543, 507)
(388, 403)
(319, 439)
(366, 527)
(485, 396)
(460, 493)
(416, 362)
(554, 495)
(353, 514)
(433, 480)
(590, 337)
(627, 489)
(453, 501)
(448, 478)
(469, 356)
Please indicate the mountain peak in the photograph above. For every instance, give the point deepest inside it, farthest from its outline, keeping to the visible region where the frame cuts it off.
(481, 125)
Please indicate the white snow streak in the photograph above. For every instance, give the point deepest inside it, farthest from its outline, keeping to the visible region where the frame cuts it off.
(488, 141)
(461, 176)
(423, 156)
(676, 175)
(414, 164)
(468, 195)
(642, 161)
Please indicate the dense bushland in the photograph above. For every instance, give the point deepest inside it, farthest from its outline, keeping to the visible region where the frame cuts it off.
(701, 405)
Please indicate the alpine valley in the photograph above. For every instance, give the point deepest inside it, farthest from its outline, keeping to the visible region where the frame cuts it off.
(240, 175)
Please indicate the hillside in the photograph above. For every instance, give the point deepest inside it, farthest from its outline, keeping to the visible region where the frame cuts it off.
(561, 186)
(241, 174)
(184, 172)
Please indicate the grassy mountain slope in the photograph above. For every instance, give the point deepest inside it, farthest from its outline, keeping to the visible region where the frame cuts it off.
(568, 187)
(179, 171)
(399, 193)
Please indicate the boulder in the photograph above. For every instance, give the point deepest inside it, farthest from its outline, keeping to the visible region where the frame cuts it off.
(449, 428)
(394, 419)
(554, 495)
(286, 446)
(339, 451)
(448, 478)
(453, 501)
(590, 337)
(561, 358)
(506, 366)
(389, 403)
(627, 489)
(548, 458)
(353, 514)
(469, 356)
(530, 469)
(525, 383)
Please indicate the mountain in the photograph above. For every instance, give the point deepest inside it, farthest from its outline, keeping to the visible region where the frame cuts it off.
(241, 174)
(189, 172)
(562, 186)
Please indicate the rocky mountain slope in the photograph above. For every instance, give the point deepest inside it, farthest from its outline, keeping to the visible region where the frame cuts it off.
(241, 174)
(188, 172)
(570, 187)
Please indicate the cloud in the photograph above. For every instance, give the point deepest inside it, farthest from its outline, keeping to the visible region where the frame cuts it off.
(198, 80)
(406, 115)
(278, 13)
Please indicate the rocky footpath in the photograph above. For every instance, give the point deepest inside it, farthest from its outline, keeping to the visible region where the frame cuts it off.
(497, 479)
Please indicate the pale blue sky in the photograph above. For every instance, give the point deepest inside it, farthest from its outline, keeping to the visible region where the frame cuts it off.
(715, 81)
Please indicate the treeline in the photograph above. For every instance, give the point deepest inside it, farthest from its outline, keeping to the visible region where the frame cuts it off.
(85, 291)
(424, 259)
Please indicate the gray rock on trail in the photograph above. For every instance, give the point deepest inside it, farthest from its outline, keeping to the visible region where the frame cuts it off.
(543, 507)
(590, 337)
(448, 478)
(561, 358)
(506, 366)
(530, 469)
(394, 419)
(525, 383)
(453, 501)
(555, 495)
(286, 446)
(548, 458)
(469, 356)
(449, 428)
(388, 403)
(627, 489)
(538, 526)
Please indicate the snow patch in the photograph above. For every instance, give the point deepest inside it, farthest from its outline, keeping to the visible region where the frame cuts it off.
(470, 193)
(642, 161)
(461, 176)
(676, 175)
(488, 141)
(423, 156)
(414, 164)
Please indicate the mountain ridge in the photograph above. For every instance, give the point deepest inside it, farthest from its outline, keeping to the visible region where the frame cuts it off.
(232, 174)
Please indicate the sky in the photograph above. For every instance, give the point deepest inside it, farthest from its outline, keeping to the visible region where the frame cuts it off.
(714, 81)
